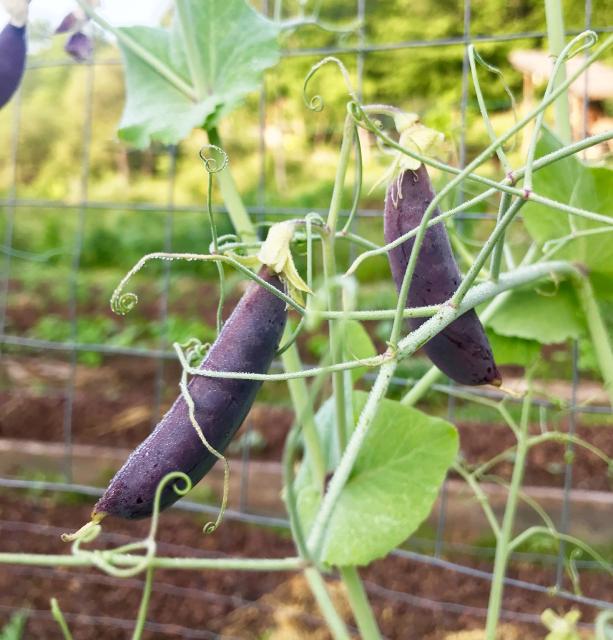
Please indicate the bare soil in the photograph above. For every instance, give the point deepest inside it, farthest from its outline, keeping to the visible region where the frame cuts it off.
(408, 597)
(114, 405)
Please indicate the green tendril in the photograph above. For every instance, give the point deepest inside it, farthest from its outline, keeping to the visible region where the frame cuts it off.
(316, 103)
(214, 163)
(212, 166)
(209, 527)
(58, 616)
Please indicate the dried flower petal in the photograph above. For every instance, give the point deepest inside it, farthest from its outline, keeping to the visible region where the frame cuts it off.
(69, 23)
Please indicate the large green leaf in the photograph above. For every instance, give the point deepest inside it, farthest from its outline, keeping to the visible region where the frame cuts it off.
(212, 55)
(393, 485)
(571, 182)
(548, 318)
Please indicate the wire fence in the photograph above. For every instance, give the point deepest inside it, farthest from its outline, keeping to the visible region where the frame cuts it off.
(12, 204)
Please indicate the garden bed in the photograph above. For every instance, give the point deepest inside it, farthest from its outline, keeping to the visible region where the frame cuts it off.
(114, 406)
(407, 596)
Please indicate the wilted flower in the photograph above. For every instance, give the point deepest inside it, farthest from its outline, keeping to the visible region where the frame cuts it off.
(79, 45)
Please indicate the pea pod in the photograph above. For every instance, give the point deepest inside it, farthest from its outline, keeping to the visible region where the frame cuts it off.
(12, 60)
(248, 342)
(461, 350)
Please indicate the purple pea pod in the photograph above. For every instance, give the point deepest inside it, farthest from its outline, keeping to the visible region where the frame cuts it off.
(248, 342)
(79, 47)
(461, 350)
(12, 59)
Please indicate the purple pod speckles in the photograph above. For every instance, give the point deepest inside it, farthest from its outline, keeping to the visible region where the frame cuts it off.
(12, 60)
(461, 350)
(248, 342)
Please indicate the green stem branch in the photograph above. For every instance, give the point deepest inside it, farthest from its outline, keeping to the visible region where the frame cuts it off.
(362, 611)
(506, 531)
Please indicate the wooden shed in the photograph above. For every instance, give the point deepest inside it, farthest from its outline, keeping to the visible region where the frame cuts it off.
(586, 93)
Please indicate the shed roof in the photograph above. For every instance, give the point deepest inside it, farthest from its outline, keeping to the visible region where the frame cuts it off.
(540, 64)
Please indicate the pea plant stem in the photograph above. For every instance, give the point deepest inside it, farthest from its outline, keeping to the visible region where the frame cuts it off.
(318, 588)
(355, 590)
(505, 200)
(486, 250)
(141, 618)
(506, 530)
(304, 410)
(158, 562)
(341, 475)
(364, 617)
(56, 612)
(236, 209)
(556, 36)
(329, 267)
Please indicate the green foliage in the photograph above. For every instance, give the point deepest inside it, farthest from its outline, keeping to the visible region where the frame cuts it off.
(572, 182)
(199, 50)
(536, 315)
(513, 350)
(393, 485)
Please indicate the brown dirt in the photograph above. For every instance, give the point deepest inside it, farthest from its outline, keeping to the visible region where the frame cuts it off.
(114, 406)
(238, 604)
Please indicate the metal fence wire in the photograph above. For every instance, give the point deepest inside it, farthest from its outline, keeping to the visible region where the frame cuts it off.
(21, 345)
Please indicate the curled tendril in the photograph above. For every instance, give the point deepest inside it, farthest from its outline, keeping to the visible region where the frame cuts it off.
(214, 164)
(195, 351)
(209, 527)
(316, 102)
(108, 561)
(123, 303)
(472, 52)
(590, 37)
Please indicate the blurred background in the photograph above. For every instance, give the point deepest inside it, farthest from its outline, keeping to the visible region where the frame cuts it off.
(80, 386)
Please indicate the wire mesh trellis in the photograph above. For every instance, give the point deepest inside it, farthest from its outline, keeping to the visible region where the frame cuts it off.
(12, 204)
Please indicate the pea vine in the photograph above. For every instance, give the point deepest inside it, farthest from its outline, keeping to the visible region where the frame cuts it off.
(355, 423)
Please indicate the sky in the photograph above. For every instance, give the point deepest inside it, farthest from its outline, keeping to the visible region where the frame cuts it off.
(117, 12)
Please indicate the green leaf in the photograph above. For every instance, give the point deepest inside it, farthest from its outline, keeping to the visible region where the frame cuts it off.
(212, 55)
(512, 350)
(393, 485)
(535, 315)
(358, 346)
(571, 182)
